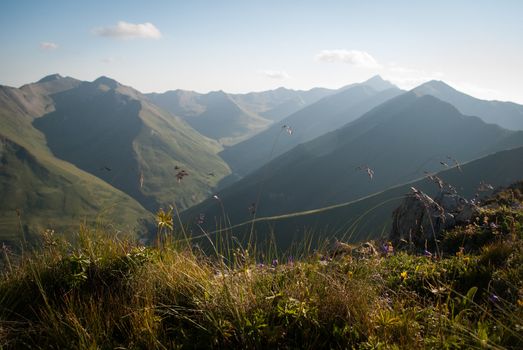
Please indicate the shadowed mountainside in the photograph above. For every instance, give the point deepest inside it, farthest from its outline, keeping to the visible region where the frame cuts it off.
(326, 115)
(397, 140)
(114, 133)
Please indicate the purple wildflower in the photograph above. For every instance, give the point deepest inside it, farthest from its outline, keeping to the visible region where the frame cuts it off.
(494, 298)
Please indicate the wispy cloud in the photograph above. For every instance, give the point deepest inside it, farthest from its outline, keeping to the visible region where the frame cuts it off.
(126, 30)
(48, 46)
(275, 74)
(353, 57)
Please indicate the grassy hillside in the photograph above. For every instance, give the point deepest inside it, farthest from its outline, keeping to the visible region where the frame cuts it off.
(399, 140)
(103, 293)
(114, 133)
(371, 216)
(40, 191)
(328, 114)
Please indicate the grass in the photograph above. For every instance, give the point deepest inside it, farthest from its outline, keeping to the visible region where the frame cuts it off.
(101, 292)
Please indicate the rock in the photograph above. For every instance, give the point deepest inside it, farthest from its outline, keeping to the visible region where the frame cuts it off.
(421, 220)
(364, 250)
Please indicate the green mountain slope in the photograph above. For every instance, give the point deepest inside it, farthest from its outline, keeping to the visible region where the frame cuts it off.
(506, 114)
(371, 216)
(398, 140)
(45, 191)
(326, 115)
(114, 133)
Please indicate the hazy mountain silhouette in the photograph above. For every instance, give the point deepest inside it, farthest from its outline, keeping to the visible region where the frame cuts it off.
(231, 118)
(326, 115)
(506, 114)
(398, 140)
(279, 103)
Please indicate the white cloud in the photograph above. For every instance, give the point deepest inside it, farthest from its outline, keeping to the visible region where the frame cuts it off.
(275, 74)
(354, 57)
(47, 45)
(125, 30)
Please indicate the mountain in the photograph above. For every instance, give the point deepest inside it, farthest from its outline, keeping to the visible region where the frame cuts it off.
(40, 191)
(279, 103)
(232, 118)
(215, 115)
(398, 141)
(326, 115)
(506, 114)
(114, 133)
(370, 217)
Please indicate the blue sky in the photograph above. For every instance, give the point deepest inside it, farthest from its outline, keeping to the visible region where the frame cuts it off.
(239, 46)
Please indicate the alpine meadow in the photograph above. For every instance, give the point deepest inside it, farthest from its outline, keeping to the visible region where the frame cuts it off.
(261, 174)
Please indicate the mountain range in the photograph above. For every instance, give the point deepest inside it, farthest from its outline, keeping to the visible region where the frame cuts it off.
(232, 118)
(101, 152)
(396, 142)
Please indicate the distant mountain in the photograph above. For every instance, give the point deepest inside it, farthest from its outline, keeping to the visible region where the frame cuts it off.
(506, 114)
(215, 115)
(326, 115)
(398, 141)
(231, 118)
(113, 132)
(280, 103)
(38, 190)
(370, 217)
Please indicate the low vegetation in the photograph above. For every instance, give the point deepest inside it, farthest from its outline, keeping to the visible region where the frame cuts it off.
(98, 292)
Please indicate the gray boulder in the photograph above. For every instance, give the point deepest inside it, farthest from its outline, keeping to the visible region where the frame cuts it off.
(421, 220)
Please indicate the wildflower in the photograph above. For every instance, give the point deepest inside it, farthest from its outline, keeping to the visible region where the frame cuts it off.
(427, 253)
(181, 174)
(274, 262)
(350, 274)
(493, 298)
(287, 128)
(216, 197)
(403, 275)
(388, 248)
(290, 260)
(520, 302)
(368, 170)
(461, 251)
(165, 218)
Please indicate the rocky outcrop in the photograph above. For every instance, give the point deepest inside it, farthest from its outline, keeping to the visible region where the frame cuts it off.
(421, 220)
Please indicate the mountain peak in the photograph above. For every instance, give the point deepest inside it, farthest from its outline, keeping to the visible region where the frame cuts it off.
(103, 80)
(378, 83)
(50, 77)
(438, 85)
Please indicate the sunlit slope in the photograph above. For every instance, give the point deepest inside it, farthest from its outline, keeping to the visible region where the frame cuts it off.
(45, 191)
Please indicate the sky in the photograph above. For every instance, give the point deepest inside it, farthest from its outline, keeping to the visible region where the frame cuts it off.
(240, 46)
